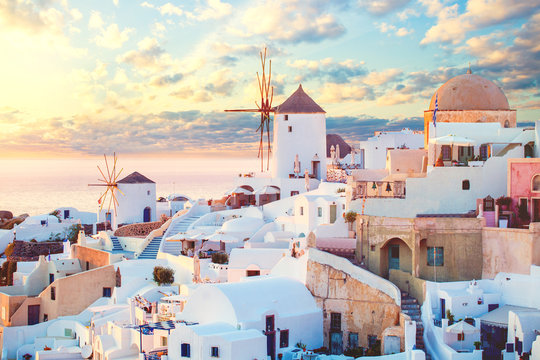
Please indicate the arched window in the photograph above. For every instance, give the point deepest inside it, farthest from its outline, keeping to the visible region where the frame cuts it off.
(536, 183)
(465, 185)
(506, 124)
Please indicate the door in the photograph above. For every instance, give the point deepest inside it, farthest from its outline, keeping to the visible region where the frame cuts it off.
(465, 153)
(33, 314)
(315, 167)
(336, 343)
(535, 210)
(393, 257)
(333, 213)
(147, 214)
(391, 345)
(271, 344)
(443, 309)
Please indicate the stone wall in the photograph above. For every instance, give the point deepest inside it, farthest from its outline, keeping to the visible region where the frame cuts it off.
(364, 309)
(408, 283)
(138, 230)
(336, 175)
(30, 251)
(510, 250)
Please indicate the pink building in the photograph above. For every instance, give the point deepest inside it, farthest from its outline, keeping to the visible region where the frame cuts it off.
(524, 185)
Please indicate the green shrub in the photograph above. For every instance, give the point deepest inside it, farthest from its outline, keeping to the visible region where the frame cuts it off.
(163, 275)
(72, 233)
(220, 258)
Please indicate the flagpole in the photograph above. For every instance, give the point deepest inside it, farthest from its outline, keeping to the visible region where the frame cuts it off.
(434, 262)
(435, 128)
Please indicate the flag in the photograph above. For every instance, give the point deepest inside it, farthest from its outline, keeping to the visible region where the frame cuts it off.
(49, 255)
(435, 111)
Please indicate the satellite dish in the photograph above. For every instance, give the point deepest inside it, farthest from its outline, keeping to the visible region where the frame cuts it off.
(86, 351)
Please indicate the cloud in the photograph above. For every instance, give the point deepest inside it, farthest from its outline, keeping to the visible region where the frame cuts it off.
(112, 37)
(391, 29)
(291, 21)
(149, 57)
(31, 17)
(214, 9)
(382, 7)
(407, 13)
(375, 78)
(337, 93)
(327, 70)
(95, 21)
(452, 25)
(355, 128)
(166, 80)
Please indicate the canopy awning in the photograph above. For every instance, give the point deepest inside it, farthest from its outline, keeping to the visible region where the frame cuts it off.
(499, 316)
(239, 190)
(267, 190)
(223, 237)
(462, 327)
(452, 140)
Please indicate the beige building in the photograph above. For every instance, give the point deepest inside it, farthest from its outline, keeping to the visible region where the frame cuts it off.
(469, 98)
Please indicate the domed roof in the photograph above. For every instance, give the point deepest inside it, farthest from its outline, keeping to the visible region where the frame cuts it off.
(469, 92)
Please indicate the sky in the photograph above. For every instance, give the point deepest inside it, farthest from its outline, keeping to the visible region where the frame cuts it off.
(82, 78)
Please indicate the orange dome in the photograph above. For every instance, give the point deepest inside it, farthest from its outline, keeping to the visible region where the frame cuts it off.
(469, 92)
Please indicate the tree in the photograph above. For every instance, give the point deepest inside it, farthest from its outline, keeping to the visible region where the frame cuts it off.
(220, 258)
(163, 275)
(350, 218)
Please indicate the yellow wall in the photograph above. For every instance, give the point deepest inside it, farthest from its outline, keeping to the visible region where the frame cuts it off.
(76, 292)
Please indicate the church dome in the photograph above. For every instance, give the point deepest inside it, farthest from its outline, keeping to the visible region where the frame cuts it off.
(469, 92)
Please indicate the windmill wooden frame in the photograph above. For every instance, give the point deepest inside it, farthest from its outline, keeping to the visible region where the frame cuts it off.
(265, 108)
(109, 180)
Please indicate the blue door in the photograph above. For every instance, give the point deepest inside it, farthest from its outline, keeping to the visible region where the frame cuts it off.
(393, 257)
(147, 214)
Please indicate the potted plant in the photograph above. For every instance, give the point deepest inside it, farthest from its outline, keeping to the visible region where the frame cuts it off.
(477, 345)
(504, 202)
(350, 218)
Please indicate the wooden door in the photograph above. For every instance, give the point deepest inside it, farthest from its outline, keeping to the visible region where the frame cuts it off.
(336, 343)
(33, 314)
(393, 257)
(333, 213)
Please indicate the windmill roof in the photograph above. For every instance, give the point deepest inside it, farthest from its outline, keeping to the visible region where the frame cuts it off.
(299, 103)
(135, 178)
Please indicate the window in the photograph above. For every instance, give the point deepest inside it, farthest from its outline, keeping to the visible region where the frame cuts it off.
(270, 323)
(483, 152)
(214, 352)
(87, 265)
(301, 211)
(253, 272)
(435, 256)
(163, 341)
(446, 151)
(290, 128)
(106, 292)
(45, 317)
(353, 340)
(465, 184)
(68, 332)
(372, 340)
(286, 117)
(185, 350)
(335, 321)
(536, 183)
(51, 278)
(53, 293)
(461, 337)
(66, 214)
(148, 192)
(284, 338)
(319, 211)
(294, 192)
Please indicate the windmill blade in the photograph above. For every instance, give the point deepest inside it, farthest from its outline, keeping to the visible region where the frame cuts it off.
(120, 191)
(114, 167)
(117, 176)
(104, 177)
(107, 164)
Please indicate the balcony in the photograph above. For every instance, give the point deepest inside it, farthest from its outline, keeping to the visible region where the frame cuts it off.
(378, 189)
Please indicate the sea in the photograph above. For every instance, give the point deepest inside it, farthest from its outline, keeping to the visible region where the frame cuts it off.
(38, 186)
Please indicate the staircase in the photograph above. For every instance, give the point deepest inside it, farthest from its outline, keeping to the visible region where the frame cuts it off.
(175, 247)
(116, 244)
(410, 306)
(151, 250)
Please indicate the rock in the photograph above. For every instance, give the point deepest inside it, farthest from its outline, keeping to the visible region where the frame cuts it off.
(9, 224)
(6, 215)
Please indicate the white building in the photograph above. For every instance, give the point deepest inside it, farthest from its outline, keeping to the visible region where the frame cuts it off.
(253, 262)
(136, 197)
(299, 130)
(263, 305)
(372, 152)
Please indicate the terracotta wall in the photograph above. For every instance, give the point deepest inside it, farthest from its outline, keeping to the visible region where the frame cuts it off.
(364, 309)
(139, 229)
(76, 292)
(510, 250)
(20, 317)
(95, 258)
(10, 304)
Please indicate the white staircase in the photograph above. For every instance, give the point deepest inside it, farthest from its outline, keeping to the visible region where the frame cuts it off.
(181, 225)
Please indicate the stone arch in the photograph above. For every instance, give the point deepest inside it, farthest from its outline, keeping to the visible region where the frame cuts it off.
(247, 187)
(395, 254)
(535, 183)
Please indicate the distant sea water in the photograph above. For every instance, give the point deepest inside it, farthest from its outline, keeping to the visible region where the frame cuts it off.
(39, 186)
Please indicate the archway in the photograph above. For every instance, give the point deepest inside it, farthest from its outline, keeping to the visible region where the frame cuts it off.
(397, 255)
(147, 214)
